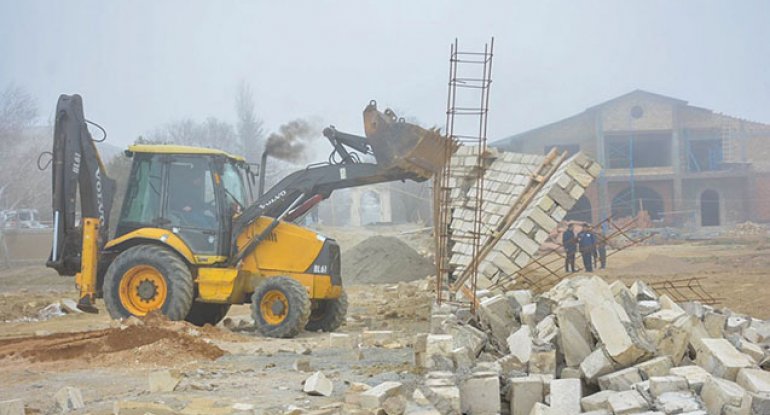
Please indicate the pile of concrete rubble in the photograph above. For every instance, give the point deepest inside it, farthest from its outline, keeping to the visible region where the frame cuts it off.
(585, 346)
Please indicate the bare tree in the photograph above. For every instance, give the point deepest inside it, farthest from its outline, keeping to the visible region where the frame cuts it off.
(18, 111)
(250, 131)
(212, 133)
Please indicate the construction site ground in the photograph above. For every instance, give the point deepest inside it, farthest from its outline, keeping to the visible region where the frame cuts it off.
(110, 362)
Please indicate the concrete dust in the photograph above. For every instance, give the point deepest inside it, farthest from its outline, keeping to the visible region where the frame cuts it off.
(384, 259)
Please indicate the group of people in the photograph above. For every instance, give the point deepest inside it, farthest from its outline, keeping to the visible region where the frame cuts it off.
(592, 247)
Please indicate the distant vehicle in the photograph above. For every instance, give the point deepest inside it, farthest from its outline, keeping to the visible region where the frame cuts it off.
(21, 218)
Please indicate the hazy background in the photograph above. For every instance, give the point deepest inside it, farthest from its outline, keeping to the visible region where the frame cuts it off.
(139, 64)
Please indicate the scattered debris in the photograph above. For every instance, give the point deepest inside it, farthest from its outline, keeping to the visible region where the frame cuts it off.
(318, 385)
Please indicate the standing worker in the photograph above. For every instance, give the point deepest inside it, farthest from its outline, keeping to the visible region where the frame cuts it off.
(587, 246)
(601, 249)
(569, 242)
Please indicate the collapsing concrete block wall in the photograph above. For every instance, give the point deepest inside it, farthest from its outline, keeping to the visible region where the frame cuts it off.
(507, 176)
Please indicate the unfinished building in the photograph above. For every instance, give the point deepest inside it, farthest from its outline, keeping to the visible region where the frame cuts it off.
(681, 164)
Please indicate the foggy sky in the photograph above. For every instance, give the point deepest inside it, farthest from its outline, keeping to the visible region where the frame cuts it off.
(139, 64)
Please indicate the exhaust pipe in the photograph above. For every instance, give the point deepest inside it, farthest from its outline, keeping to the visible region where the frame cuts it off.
(262, 168)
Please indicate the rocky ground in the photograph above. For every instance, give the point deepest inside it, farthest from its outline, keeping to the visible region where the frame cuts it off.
(223, 370)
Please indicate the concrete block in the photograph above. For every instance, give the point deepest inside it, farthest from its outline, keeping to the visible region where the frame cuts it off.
(721, 359)
(547, 330)
(661, 319)
(756, 353)
(520, 344)
(525, 393)
(445, 398)
(715, 323)
(648, 307)
(643, 292)
(376, 396)
(480, 394)
(659, 366)
(575, 339)
(466, 336)
(395, 405)
(723, 396)
(342, 341)
(69, 399)
(760, 403)
(672, 383)
(754, 380)
(696, 376)
(612, 333)
(595, 365)
(377, 338)
(678, 402)
(565, 396)
(437, 347)
(318, 385)
(543, 361)
(497, 313)
(676, 338)
(163, 381)
(627, 402)
(597, 401)
(12, 407)
(620, 380)
(542, 409)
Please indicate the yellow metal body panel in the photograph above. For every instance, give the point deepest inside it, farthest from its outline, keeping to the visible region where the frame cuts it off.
(177, 149)
(86, 278)
(289, 248)
(169, 238)
(221, 285)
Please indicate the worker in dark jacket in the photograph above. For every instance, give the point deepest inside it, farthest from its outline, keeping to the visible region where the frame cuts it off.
(601, 249)
(587, 246)
(569, 241)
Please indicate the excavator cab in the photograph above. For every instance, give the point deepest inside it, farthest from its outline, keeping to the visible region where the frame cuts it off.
(192, 192)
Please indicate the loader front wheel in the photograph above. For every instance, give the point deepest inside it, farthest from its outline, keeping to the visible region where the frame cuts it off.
(148, 278)
(207, 313)
(328, 315)
(280, 307)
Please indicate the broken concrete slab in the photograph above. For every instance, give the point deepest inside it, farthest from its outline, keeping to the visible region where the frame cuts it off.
(715, 323)
(520, 344)
(376, 396)
(723, 396)
(142, 408)
(69, 399)
(525, 392)
(395, 405)
(318, 385)
(597, 401)
(480, 394)
(595, 365)
(721, 359)
(342, 341)
(609, 327)
(620, 380)
(659, 366)
(696, 376)
(663, 384)
(754, 380)
(627, 402)
(575, 339)
(565, 396)
(431, 349)
(163, 381)
(678, 402)
(541, 409)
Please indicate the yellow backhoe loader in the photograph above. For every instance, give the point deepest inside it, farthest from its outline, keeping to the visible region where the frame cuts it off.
(190, 241)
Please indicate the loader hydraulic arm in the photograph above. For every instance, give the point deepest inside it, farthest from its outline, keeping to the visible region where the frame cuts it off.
(78, 168)
(403, 151)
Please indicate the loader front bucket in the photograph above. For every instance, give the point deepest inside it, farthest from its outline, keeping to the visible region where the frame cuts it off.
(397, 143)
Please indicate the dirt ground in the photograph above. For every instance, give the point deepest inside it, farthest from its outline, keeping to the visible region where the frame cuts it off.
(110, 362)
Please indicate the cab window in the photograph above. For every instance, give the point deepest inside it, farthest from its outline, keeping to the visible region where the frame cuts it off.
(142, 204)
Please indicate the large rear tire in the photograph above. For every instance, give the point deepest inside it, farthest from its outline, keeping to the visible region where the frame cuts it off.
(207, 313)
(147, 278)
(280, 307)
(328, 315)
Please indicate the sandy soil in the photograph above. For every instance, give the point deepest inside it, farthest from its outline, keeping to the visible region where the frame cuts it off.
(219, 367)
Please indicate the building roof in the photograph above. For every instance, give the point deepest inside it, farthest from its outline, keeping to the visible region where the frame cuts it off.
(177, 149)
(636, 92)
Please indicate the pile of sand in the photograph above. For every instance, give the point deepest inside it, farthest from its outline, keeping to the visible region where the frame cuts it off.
(384, 259)
(155, 341)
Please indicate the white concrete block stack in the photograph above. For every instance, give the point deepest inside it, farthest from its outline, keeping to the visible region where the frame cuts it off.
(505, 180)
(585, 346)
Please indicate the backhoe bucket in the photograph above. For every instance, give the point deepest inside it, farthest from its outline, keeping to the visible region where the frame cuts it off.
(397, 143)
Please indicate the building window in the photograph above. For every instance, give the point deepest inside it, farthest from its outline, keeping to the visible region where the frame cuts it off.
(638, 150)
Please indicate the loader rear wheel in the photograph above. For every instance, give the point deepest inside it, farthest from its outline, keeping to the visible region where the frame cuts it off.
(328, 315)
(207, 313)
(280, 307)
(147, 278)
